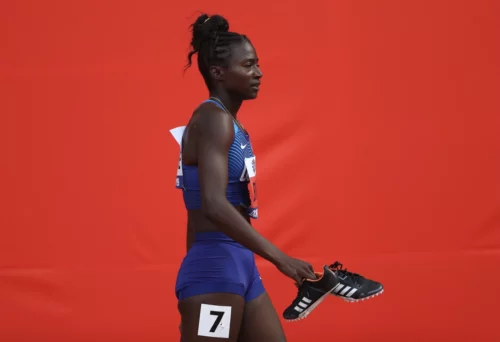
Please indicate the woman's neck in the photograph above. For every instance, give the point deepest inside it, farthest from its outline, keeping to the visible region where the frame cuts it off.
(231, 105)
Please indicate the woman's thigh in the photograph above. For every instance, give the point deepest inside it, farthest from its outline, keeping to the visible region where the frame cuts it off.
(260, 322)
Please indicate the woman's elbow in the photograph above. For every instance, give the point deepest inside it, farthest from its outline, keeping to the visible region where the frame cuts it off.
(211, 206)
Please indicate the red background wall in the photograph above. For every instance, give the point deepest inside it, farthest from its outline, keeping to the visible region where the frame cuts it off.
(376, 131)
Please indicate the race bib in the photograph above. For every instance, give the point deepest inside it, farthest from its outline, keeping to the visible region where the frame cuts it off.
(251, 170)
(215, 321)
(177, 134)
(178, 179)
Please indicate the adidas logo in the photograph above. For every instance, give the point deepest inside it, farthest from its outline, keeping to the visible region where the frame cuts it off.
(303, 304)
(343, 290)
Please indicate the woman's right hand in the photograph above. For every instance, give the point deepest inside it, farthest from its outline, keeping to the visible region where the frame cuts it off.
(295, 269)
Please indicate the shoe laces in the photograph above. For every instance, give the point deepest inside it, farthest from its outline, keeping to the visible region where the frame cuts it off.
(337, 267)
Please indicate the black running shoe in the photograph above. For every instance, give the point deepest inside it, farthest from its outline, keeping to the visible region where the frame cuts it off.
(354, 287)
(310, 294)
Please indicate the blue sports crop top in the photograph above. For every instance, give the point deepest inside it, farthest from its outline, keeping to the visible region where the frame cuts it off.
(241, 188)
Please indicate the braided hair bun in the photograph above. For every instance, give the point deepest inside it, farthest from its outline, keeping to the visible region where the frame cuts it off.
(212, 41)
(205, 28)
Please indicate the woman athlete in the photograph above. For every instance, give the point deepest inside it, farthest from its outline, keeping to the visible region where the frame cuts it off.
(218, 286)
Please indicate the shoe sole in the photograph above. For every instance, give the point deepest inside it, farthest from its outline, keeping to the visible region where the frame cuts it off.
(310, 309)
(352, 300)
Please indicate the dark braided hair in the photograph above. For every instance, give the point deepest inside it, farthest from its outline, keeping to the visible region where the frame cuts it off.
(212, 42)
